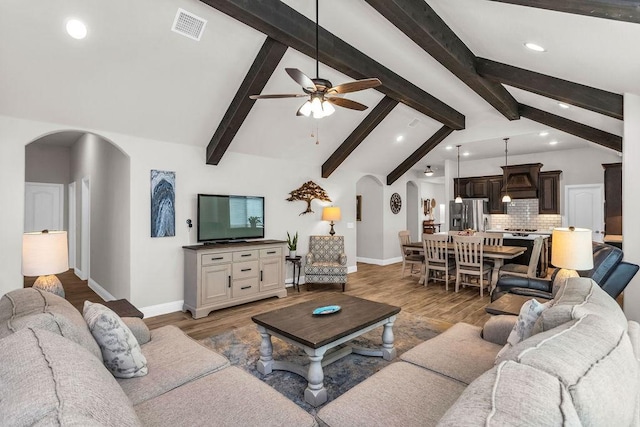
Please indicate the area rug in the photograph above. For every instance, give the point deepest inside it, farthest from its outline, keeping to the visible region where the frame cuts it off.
(242, 347)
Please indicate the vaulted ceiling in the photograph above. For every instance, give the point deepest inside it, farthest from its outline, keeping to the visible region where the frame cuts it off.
(452, 72)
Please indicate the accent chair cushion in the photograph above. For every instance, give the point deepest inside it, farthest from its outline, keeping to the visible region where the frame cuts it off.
(121, 352)
(46, 379)
(29, 307)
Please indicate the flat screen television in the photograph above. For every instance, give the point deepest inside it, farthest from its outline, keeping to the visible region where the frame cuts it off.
(223, 217)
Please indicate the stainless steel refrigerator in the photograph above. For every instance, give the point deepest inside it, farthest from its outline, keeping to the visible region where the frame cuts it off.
(471, 213)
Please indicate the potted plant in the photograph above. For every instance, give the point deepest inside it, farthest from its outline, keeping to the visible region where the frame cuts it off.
(254, 221)
(293, 244)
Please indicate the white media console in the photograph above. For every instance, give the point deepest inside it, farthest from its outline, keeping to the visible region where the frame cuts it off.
(226, 274)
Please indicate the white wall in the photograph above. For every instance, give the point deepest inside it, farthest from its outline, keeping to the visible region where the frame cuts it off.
(156, 272)
(414, 211)
(108, 170)
(429, 190)
(631, 200)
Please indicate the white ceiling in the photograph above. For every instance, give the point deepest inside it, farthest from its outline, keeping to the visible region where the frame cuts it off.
(133, 75)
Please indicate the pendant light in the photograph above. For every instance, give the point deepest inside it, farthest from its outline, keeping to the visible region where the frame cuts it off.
(428, 171)
(458, 198)
(506, 198)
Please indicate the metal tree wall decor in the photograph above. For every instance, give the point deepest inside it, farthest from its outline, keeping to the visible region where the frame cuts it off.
(307, 192)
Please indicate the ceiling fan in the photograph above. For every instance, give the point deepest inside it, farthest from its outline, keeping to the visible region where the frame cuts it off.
(322, 96)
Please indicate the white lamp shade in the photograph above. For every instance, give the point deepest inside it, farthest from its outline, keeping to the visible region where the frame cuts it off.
(331, 213)
(44, 253)
(571, 248)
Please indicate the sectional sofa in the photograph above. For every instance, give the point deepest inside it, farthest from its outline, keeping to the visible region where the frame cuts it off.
(579, 368)
(51, 373)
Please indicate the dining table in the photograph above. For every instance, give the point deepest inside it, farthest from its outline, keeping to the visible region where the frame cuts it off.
(496, 253)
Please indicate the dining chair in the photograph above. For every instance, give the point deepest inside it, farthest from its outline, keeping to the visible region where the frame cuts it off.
(491, 238)
(469, 252)
(525, 270)
(436, 258)
(408, 256)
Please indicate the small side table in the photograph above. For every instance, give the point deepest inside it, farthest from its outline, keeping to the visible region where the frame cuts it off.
(123, 308)
(297, 262)
(509, 304)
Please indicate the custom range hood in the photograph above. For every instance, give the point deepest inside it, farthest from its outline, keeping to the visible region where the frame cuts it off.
(521, 181)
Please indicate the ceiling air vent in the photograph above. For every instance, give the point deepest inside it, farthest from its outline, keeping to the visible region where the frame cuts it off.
(188, 24)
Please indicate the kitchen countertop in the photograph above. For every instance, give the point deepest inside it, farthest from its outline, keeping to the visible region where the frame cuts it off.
(531, 235)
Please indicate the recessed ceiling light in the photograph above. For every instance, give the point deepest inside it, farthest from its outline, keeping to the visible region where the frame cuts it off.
(562, 105)
(76, 29)
(466, 153)
(543, 133)
(449, 147)
(535, 47)
(399, 138)
(554, 142)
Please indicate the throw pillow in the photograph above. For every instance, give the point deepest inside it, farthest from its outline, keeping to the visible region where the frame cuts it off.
(121, 352)
(529, 314)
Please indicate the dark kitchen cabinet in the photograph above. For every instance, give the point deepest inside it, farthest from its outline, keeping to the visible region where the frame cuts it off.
(494, 184)
(478, 187)
(549, 192)
(612, 198)
(462, 187)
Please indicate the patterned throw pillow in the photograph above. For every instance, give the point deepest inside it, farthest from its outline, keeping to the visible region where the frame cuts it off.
(121, 352)
(529, 314)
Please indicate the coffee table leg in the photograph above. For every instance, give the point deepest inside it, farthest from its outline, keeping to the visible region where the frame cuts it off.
(265, 364)
(388, 351)
(315, 394)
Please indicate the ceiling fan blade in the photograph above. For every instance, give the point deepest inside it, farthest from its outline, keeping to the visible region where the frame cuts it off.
(275, 96)
(347, 103)
(301, 79)
(355, 86)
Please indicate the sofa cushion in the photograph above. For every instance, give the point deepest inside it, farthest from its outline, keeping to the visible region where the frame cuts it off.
(46, 379)
(512, 394)
(579, 297)
(173, 359)
(459, 353)
(594, 358)
(29, 307)
(401, 394)
(230, 397)
(121, 352)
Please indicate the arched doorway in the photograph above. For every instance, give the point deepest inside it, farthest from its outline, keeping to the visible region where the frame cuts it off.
(98, 173)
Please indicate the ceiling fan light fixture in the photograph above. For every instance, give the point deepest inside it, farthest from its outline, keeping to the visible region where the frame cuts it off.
(316, 108)
(305, 110)
(328, 108)
(428, 171)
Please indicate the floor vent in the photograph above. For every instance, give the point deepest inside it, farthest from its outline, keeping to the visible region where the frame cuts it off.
(188, 24)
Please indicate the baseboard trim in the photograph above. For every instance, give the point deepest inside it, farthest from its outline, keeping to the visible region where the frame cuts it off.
(79, 273)
(102, 292)
(381, 262)
(159, 309)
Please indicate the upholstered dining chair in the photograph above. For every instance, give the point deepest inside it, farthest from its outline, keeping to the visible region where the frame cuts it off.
(436, 259)
(326, 261)
(525, 270)
(469, 263)
(408, 256)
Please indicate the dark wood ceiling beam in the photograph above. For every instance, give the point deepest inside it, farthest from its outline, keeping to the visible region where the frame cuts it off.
(598, 136)
(263, 66)
(591, 98)
(280, 22)
(417, 155)
(373, 119)
(618, 10)
(423, 26)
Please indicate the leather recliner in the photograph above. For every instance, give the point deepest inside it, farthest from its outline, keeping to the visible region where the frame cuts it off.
(609, 271)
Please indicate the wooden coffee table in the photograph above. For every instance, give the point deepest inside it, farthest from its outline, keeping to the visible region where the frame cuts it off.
(318, 334)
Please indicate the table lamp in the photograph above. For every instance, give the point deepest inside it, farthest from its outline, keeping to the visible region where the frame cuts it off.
(331, 213)
(45, 254)
(571, 250)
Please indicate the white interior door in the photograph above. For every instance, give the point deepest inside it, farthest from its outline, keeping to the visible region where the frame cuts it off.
(585, 208)
(43, 206)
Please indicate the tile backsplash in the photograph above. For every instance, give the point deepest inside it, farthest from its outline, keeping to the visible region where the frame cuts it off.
(523, 213)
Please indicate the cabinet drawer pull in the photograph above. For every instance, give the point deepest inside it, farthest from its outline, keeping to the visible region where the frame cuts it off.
(229, 281)
(217, 258)
(246, 269)
(261, 275)
(271, 252)
(245, 255)
(245, 287)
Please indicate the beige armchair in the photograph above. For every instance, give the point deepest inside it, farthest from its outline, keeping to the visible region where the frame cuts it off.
(326, 261)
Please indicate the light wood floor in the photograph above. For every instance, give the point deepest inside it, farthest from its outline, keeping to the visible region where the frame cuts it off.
(439, 308)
